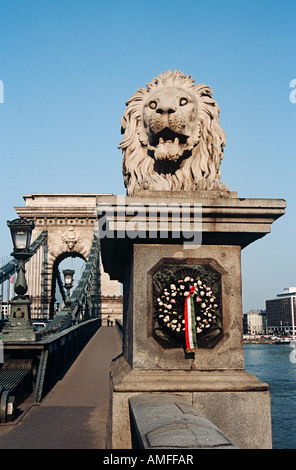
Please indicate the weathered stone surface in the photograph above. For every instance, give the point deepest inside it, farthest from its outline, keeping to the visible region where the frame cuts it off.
(213, 379)
(172, 137)
(218, 221)
(172, 151)
(244, 417)
(234, 401)
(124, 378)
(230, 399)
(141, 348)
(169, 421)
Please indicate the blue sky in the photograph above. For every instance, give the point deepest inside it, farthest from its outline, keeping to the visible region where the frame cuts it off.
(68, 66)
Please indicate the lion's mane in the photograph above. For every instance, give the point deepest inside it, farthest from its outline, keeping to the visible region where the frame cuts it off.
(201, 168)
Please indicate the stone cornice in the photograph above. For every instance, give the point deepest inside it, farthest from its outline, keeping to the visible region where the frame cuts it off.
(54, 213)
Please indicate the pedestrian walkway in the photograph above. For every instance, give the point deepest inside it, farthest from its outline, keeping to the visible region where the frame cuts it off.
(74, 414)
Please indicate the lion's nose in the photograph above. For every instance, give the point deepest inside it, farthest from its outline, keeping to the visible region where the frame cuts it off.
(165, 109)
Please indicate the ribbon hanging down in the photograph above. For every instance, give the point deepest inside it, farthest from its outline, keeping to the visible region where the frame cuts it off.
(190, 325)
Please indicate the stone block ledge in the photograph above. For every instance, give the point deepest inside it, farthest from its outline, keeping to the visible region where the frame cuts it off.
(126, 379)
(166, 421)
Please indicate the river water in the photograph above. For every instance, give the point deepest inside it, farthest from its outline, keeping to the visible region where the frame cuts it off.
(271, 363)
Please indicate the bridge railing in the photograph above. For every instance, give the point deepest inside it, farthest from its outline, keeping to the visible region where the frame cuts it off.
(58, 351)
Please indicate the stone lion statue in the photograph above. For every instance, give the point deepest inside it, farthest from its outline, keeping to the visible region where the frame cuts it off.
(172, 138)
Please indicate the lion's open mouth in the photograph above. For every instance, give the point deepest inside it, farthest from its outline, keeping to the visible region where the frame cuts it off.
(165, 136)
(167, 145)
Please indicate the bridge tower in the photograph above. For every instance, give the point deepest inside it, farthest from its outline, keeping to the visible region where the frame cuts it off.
(69, 220)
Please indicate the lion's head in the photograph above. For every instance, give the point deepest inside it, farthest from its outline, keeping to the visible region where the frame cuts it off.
(172, 137)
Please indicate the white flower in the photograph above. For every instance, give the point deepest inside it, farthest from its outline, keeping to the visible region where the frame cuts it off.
(202, 293)
(173, 287)
(199, 283)
(203, 305)
(187, 278)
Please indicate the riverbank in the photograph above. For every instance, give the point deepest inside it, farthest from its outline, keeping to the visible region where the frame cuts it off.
(268, 340)
(260, 341)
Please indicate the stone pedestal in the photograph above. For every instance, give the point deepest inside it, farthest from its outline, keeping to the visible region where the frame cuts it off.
(140, 250)
(19, 327)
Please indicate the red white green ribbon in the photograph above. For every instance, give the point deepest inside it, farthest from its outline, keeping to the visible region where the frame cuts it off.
(190, 327)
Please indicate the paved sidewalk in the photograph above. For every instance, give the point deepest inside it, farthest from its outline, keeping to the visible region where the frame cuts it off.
(74, 413)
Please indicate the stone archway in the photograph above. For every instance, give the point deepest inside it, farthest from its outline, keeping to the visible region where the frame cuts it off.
(56, 271)
(69, 220)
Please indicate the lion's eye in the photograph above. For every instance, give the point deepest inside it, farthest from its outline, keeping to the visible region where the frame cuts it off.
(183, 101)
(152, 104)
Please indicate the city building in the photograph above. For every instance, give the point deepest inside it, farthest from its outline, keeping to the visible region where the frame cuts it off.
(4, 312)
(254, 322)
(280, 313)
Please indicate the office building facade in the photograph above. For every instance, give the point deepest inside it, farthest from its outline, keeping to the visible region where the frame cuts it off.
(280, 313)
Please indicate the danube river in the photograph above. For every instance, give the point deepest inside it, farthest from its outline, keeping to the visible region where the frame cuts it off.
(271, 363)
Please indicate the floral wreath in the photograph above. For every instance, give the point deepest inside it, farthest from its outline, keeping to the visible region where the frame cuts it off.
(187, 306)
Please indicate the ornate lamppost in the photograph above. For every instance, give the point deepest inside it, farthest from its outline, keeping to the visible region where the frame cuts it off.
(68, 283)
(20, 327)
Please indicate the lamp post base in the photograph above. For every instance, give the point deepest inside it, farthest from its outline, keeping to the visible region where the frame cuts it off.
(20, 327)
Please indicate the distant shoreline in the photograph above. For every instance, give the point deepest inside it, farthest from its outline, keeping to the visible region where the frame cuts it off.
(266, 341)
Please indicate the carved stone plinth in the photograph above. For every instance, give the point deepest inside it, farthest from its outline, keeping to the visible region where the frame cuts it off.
(19, 327)
(154, 260)
(234, 400)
